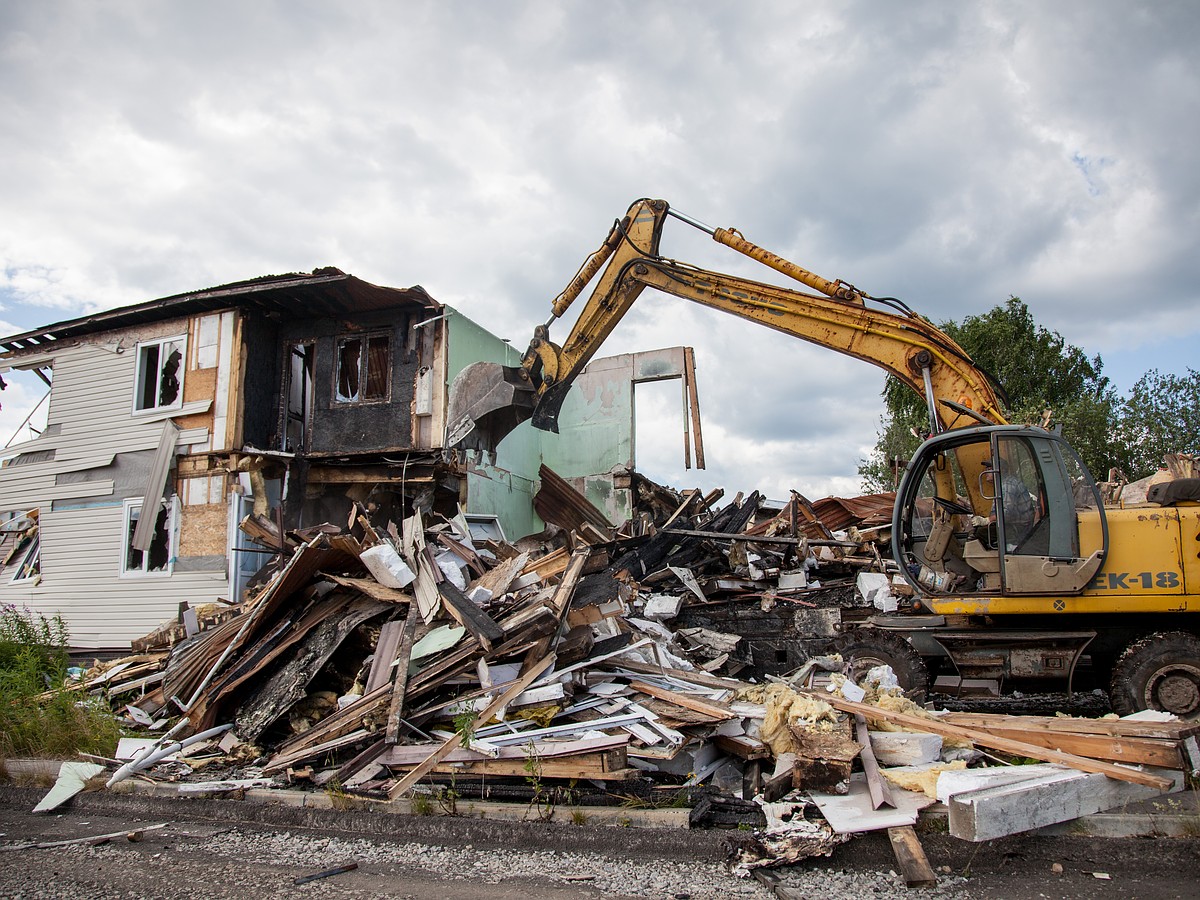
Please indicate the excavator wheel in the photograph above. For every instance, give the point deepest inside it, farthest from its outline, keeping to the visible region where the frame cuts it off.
(865, 648)
(1160, 671)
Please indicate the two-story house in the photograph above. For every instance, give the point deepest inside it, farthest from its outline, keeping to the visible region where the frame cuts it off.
(301, 398)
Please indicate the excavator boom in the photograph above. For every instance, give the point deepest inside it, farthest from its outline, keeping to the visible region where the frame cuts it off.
(488, 400)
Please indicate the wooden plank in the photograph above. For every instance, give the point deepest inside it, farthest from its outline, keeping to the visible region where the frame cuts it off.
(281, 760)
(911, 857)
(371, 588)
(345, 720)
(705, 707)
(464, 610)
(742, 747)
(548, 566)
(498, 580)
(560, 603)
(1133, 728)
(359, 761)
(1131, 751)
(400, 680)
(385, 654)
(407, 782)
(1021, 748)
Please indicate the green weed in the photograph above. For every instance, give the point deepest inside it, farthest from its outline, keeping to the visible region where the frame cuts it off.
(37, 717)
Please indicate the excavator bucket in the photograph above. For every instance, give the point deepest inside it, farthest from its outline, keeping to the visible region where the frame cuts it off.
(487, 401)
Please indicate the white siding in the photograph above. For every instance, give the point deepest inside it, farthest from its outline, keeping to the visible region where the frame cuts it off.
(91, 404)
(81, 564)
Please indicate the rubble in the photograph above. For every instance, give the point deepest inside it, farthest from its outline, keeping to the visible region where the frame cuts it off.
(387, 659)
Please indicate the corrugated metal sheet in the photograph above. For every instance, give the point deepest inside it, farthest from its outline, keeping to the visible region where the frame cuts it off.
(867, 511)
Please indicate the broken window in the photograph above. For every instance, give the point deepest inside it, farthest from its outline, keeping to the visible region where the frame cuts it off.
(157, 560)
(299, 397)
(159, 382)
(20, 546)
(364, 367)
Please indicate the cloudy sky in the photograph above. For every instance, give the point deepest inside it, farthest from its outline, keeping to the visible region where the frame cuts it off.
(946, 153)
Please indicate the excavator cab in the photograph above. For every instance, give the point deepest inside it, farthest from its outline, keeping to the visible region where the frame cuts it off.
(998, 510)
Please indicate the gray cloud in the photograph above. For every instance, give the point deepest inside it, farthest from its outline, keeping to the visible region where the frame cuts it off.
(947, 154)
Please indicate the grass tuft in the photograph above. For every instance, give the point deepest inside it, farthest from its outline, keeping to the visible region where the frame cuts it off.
(37, 717)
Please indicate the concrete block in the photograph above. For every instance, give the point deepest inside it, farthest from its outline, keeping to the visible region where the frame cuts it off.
(903, 748)
(997, 812)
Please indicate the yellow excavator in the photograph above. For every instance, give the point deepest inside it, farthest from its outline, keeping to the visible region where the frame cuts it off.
(1016, 566)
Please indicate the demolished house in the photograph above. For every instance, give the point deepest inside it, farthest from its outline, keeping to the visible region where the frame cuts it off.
(282, 402)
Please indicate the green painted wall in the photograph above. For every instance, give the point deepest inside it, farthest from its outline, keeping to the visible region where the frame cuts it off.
(596, 430)
(506, 488)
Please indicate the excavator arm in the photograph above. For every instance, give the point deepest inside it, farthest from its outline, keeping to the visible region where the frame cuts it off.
(488, 400)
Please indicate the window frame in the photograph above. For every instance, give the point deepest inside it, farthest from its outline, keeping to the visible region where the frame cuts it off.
(140, 374)
(12, 571)
(127, 509)
(364, 338)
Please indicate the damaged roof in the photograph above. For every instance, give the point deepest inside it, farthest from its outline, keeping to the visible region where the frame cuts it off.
(324, 292)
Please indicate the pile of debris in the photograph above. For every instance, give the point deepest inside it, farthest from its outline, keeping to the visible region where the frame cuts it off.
(390, 658)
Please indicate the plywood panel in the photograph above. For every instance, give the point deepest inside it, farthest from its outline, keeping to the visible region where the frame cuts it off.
(203, 530)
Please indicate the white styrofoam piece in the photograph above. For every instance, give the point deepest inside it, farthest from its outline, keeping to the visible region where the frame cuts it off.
(386, 566)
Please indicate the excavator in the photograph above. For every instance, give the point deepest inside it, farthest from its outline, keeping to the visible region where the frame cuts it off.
(1017, 569)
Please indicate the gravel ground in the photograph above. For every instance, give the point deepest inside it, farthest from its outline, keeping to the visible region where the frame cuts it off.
(203, 857)
(197, 860)
(186, 861)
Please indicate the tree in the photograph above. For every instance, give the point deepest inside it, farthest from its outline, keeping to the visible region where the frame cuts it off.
(1035, 369)
(1160, 415)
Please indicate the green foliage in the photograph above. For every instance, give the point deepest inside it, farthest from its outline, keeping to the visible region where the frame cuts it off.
(32, 646)
(464, 724)
(543, 800)
(1160, 415)
(1036, 370)
(37, 717)
(1035, 366)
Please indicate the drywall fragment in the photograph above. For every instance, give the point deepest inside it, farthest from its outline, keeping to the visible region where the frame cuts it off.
(793, 581)
(875, 588)
(451, 566)
(852, 813)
